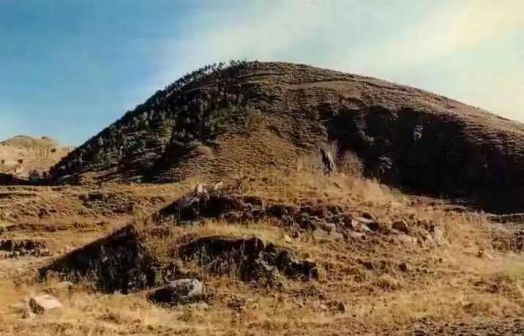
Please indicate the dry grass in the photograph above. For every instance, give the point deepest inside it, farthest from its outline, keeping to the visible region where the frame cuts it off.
(447, 283)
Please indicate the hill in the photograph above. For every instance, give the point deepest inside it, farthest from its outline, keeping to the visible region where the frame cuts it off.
(21, 154)
(279, 247)
(219, 120)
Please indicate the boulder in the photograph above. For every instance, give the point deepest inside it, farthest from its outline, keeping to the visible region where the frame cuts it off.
(178, 292)
(43, 303)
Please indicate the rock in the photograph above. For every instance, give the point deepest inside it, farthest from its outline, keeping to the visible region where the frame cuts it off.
(437, 235)
(178, 292)
(287, 238)
(357, 235)
(400, 226)
(43, 303)
(368, 223)
(15, 248)
(328, 227)
(403, 267)
(337, 306)
(484, 254)
(406, 240)
(64, 285)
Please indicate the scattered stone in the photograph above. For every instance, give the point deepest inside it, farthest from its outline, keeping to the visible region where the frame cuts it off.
(437, 235)
(484, 254)
(401, 226)
(13, 248)
(371, 224)
(64, 285)
(178, 292)
(406, 240)
(43, 303)
(287, 238)
(328, 227)
(404, 267)
(337, 306)
(200, 190)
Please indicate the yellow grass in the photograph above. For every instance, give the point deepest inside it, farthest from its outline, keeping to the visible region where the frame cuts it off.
(464, 280)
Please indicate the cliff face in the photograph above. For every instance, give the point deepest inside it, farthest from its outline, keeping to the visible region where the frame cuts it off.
(218, 120)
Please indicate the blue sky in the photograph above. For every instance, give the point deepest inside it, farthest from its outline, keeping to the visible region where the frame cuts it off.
(70, 67)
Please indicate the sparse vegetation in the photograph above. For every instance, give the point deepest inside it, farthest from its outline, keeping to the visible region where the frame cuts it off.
(435, 284)
(278, 247)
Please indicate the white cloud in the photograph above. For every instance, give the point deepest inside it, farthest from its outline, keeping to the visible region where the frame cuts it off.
(454, 26)
(396, 40)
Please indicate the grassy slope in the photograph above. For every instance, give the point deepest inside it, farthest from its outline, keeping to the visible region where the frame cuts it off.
(448, 283)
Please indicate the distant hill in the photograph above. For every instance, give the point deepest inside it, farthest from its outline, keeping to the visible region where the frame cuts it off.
(219, 120)
(21, 154)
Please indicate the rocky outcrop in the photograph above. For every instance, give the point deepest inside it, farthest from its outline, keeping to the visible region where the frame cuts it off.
(178, 292)
(117, 262)
(249, 258)
(227, 204)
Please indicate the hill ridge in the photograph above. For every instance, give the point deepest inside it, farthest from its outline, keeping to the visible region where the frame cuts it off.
(218, 120)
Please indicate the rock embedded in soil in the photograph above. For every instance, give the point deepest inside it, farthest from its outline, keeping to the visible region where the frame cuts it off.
(401, 226)
(231, 206)
(44, 303)
(23, 247)
(179, 291)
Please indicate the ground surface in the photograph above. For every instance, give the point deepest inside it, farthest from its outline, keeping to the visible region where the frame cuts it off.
(22, 154)
(467, 281)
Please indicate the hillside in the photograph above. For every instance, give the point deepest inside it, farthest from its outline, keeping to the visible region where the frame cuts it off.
(294, 254)
(21, 154)
(236, 230)
(217, 121)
